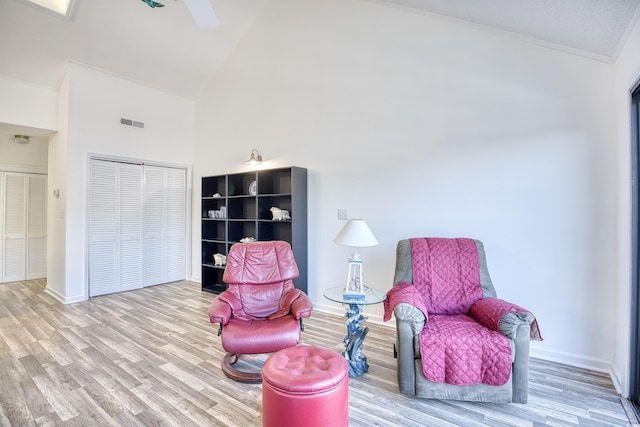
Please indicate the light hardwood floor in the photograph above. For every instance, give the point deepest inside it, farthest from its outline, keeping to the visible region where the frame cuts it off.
(151, 357)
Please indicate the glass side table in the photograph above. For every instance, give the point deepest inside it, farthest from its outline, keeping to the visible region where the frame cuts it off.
(356, 334)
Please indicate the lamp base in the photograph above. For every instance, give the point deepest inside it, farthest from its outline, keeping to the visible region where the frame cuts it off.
(351, 295)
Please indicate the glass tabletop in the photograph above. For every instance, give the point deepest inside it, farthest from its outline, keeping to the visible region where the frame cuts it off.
(371, 296)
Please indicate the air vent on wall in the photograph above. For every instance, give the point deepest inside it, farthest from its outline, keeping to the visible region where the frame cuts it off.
(130, 122)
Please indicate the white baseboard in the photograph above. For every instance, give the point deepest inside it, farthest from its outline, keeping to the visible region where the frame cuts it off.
(372, 318)
(571, 359)
(618, 382)
(63, 299)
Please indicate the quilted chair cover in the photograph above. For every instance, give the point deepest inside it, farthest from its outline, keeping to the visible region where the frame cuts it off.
(448, 295)
(261, 311)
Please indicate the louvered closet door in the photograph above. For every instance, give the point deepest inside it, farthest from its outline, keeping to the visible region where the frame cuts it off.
(14, 233)
(37, 227)
(130, 202)
(155, 202)
(176, 224)
(164, 225)
(103, 228)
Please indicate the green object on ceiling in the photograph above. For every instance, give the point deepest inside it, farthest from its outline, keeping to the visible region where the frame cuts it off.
(153, 3)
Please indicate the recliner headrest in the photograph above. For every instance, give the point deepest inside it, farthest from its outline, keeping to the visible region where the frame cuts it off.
(260, 263)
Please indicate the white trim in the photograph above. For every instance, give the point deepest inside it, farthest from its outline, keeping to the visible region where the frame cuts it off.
(123, 77)
(617, 380)
(23, 169)
(571, 359)
(489, 29)
(64, 300)
(136, 161)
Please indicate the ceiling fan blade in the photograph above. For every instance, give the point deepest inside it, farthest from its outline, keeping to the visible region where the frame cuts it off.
(202, 13)
(153, 3)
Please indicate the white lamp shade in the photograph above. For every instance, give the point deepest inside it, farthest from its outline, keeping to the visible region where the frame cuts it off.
(356, 233)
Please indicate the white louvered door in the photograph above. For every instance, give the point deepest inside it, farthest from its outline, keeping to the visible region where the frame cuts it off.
(137, 226)
(130, 204)
(23, 225)
(176, 220)
(164, 225)
(155, 268)
(37, 227)
(14, 240)
(103, 228)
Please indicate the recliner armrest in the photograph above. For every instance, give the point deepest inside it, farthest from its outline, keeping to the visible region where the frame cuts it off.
(301, 306)
(294, 302)
(220, 310)
(510, 322)
(500, 315)
(410, 314)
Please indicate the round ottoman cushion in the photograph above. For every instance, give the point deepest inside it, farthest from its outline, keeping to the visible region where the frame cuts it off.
(305, 385)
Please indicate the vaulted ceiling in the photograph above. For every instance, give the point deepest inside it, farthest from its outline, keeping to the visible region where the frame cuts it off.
(163, 47)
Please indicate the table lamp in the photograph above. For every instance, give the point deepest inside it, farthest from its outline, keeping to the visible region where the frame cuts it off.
(355, 233)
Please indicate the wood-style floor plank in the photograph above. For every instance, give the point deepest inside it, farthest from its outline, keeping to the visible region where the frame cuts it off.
(151, 358)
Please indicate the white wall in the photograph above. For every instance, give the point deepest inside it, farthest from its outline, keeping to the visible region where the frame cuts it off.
(25, 104)
(57, 206)
(95, 102)
(425, 127)
(627, 75)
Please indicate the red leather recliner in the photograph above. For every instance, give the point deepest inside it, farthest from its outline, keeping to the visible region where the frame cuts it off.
(261, 311)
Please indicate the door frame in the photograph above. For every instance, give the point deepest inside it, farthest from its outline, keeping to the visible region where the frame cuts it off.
(634, 347)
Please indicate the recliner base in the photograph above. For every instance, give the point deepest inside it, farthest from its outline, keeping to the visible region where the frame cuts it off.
(230, 371)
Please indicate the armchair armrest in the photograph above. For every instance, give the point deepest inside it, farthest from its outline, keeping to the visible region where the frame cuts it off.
(301, 306)
(403, 293)
(411, 315)
(502, 316)
(294, 302)
(221, 309)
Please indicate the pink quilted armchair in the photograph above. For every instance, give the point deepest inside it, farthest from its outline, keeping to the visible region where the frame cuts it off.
(261, 311)
(455, 338)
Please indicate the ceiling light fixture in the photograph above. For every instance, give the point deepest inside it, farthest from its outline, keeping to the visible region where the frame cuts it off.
(21, 139)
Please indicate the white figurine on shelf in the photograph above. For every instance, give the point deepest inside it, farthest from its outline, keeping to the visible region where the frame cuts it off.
(279, 214)
(219, 259)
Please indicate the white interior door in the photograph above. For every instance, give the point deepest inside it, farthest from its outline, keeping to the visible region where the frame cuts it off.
(103, 228)
(137, 226)
(155, 206)
(176, 220)
(37, 227)
(115, 227)
(130, 203)
(164, 225)
(14, 232)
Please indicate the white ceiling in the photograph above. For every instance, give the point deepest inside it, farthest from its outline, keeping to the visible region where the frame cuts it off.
(594, 28)
(162, 47)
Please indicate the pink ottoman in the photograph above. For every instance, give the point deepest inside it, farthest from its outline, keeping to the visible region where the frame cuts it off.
(305, 386)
